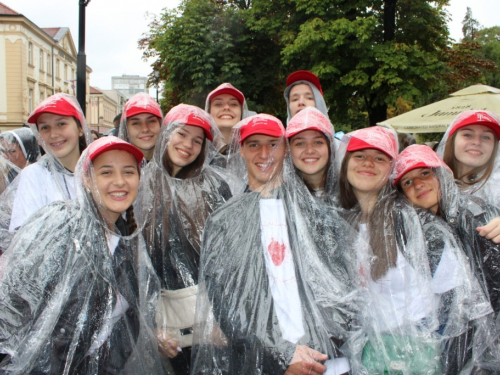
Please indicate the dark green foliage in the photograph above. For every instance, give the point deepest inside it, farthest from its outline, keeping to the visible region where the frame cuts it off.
(368, 54)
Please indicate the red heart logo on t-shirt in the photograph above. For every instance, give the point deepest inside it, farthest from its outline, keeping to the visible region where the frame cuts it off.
(277, 252)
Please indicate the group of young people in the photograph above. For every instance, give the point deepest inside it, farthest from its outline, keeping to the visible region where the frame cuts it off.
(219, 242)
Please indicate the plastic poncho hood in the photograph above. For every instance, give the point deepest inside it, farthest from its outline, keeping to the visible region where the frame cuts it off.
(312, 119)
(137, 104)
(312, 81)
(488, 190)
(27, 142)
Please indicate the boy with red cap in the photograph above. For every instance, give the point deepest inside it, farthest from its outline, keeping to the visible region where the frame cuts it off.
(267, 255)
(303, 89)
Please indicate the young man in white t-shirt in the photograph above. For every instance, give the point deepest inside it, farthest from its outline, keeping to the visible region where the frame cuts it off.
(262, 270)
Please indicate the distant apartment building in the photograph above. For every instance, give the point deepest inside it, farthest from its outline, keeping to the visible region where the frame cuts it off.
(129, 85)
(34, 64)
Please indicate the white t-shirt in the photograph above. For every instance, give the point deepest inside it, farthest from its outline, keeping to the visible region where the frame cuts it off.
(37, 188)
(280, 269)
(119, 310)
(402, 295)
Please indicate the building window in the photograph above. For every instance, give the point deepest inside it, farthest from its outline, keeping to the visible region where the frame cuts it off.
(41, 96)
(30, 53)
(73, 74)
(65, 72)
(58, 73)
(41, 59)
(49, 64)
(30, 100)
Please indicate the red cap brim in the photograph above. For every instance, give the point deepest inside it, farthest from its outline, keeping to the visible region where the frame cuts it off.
(356, 144)
(228, 90)
(304, 75)
(420, 164)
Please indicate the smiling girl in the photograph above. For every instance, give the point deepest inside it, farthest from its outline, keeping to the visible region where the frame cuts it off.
(227, 105)
(78, 288)
(470, 148)
(178, 193)
(427, 182)
(310, 135)
(60, 128)
(141, 122)
(414, 272)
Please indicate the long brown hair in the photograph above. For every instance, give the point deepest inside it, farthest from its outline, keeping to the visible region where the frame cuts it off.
(470, 178)
(382, 236)
(189, 170)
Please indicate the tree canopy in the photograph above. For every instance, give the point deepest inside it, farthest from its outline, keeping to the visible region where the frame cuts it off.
(370, 55)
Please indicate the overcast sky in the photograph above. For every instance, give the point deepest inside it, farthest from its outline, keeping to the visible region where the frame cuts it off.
(115, 26)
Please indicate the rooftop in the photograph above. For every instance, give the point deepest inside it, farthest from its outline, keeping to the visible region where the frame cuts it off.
(4, 9)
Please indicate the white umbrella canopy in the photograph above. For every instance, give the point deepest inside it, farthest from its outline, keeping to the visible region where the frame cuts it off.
(435, 117)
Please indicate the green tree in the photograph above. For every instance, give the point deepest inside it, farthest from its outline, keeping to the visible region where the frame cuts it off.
(367, 53)
(470, 26)
(489, 40)
(204, 43)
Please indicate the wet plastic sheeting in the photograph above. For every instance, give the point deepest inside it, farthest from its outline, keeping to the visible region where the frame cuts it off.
(464, 213)
(77, 296)
(276, 274)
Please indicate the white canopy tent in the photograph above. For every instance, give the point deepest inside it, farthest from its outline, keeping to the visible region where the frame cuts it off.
(435, 117)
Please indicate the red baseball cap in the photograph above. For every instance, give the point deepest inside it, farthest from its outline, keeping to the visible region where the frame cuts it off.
(58, 104)
(413, 157)
(191, 115)
(475, 117)
(261, 124)
(375, 137)
(227, 88)
(309, 118)
(142, 103)
(304, 75)
(109, 143)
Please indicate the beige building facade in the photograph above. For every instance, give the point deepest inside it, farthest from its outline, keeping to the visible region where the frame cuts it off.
(34, 64)
(103, 109)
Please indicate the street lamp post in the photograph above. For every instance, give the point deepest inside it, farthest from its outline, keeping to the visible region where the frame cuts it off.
(81, 62)
(157, 79)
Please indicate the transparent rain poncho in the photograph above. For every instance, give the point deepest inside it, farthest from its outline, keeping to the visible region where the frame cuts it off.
(25, 140)
(220, 160)
(318, 98)
(488, 190)
(8, 172)
(174, 211)
(464, 213)
(78, 296)
(312, 119)
(45, 181)
(276, 270)
(420, 292)
(137, 104)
